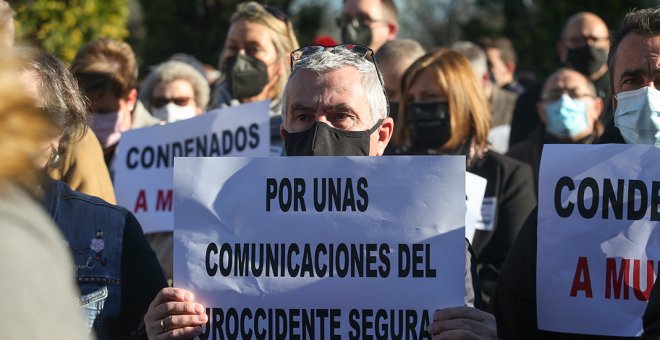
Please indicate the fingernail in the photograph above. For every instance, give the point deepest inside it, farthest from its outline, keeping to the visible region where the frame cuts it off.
(202, 318)
(199, 309)
(188, 297)
(433, 327)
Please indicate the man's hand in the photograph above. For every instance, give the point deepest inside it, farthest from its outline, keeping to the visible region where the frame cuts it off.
(174, 315)
(462, 323)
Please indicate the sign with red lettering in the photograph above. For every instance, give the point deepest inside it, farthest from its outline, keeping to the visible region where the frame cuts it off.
(144, 162)
(320, 247)
(598, 249)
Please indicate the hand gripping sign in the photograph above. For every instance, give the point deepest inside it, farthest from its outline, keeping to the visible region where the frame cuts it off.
(145, 157)
(598, 253)
(316, 247)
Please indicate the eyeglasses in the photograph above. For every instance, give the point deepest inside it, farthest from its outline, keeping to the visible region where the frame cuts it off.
(555, 94)
(578, 41)
(159, 102)
(359, 50)
(357, 21)
(276, 12)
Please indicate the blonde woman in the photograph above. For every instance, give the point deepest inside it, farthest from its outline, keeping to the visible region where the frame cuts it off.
(255, 60)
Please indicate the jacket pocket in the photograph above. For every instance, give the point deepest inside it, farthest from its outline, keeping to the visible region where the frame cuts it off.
(92, 305)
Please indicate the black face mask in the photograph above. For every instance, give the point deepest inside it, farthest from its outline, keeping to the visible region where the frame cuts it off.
(354, 33)
(586, 60)
(323, 140)
(429, 123)
(394, 110)
(246, 76)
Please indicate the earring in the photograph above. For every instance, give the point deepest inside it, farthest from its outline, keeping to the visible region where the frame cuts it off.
(54, 162)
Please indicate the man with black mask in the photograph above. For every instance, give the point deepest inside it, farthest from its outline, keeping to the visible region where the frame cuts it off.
(583, 47)
(368, 22)
(335, 105)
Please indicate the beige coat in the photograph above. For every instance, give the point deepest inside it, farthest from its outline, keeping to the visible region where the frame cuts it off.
(83, 168)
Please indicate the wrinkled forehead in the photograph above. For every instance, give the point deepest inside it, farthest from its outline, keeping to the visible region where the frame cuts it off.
(637, 53)
(305, 84)
(566, 79)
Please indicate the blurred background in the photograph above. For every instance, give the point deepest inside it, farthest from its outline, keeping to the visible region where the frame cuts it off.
(157, 29)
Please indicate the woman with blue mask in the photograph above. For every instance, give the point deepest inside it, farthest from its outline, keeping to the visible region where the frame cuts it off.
(569, 111)
(444, 112)
(255, 60)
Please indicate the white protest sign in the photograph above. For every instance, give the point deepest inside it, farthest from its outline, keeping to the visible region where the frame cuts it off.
(475, 188)
(599, 207)
(313, 247)
(145, 157)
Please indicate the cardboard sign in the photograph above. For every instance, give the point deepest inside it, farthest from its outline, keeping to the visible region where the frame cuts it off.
(145, 157)
(597, 257)
(314, 247)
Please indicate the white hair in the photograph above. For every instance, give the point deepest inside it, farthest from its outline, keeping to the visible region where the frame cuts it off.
(171, 71)
(337, 58)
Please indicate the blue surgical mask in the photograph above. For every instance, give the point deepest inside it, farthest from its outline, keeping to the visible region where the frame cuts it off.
(566, 117)
(637, 116)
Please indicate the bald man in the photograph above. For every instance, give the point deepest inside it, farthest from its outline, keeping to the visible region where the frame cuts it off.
(583, 46)
(569, 110)
(584, 43)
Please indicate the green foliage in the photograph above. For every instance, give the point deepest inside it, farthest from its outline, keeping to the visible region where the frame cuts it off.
(62, 27)
(309, 18)
(198, 28)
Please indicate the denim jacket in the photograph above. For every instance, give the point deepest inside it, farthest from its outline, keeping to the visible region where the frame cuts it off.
(94, 230)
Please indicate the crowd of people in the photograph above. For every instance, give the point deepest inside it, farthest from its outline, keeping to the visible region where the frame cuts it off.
(373, 95)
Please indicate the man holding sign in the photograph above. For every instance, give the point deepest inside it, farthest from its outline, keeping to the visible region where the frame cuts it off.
(522, 308)
(334, 104)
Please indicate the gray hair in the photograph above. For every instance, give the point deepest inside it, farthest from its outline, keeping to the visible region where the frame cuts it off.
(173, 70)
(475, 55)
(337, 58)
(644, 21)
(59, 94)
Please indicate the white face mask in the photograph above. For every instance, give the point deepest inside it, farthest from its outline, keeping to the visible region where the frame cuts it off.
(172, 112)
(106, 126)
(637, 116)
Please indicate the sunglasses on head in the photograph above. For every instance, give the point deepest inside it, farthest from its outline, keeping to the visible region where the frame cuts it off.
(555, 94)
(359, 50)
(162, 101)
(276, 12)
